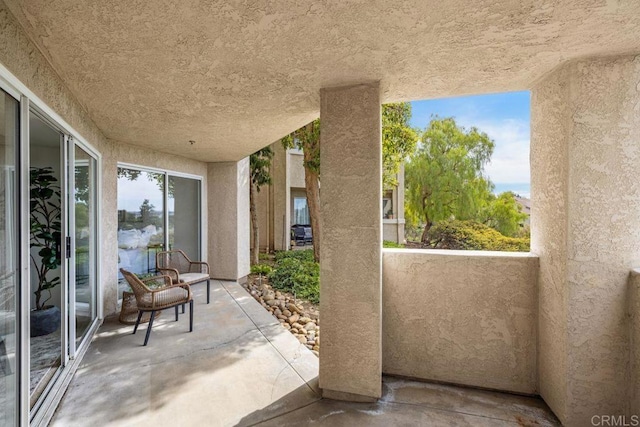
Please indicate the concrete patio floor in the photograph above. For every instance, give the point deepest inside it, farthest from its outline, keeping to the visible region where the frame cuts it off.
(240, 367)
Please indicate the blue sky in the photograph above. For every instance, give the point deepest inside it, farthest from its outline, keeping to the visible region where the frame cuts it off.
(504, 117)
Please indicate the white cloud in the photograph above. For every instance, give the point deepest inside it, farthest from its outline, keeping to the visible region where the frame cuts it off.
(510, 160)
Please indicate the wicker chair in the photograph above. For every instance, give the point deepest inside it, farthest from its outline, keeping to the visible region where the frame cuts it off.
(158, 299)
(177, 265)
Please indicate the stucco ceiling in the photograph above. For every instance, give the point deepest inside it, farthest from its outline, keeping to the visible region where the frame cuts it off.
(237, 75)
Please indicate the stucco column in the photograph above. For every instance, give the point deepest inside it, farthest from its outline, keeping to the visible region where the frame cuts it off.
(281, 196)
(350, 257)
(585, 158)
(228, 227)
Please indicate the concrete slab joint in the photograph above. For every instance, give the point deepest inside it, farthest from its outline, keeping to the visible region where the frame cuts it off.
(350, 258)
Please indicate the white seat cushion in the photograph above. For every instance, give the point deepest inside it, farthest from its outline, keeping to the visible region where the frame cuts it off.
(193, 277)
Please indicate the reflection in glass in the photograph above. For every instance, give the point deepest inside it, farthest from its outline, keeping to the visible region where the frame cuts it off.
(184, 215)
(300, 211)
(85, 231)
(46, 275)
(8, 259)
(140, 221)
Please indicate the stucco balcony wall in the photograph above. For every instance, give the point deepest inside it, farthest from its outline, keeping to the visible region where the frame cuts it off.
(461, 317)
(634, 341)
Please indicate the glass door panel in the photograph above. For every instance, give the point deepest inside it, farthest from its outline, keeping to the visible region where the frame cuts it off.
(85, 241)
(184, 215)
(8, 259)
(140, 221)
(48, 284)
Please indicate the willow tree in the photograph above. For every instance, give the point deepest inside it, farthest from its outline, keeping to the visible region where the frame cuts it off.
(445, 179)
(259, 165)
(398, 141)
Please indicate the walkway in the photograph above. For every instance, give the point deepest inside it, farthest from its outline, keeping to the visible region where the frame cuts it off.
(240, 367)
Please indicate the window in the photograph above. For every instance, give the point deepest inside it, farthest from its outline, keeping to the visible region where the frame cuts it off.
(152, 217)
(300, 211)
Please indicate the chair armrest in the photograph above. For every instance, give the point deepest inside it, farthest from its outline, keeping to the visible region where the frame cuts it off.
(203, 266)
(171, 272)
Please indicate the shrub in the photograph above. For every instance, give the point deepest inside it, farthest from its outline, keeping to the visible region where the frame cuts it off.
(262, 269)
(391, 244)
(296, 272)
(472, 235)
(305, 255)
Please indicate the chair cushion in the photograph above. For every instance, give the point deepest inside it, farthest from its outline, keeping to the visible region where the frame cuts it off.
(193, 277)
(167, 296)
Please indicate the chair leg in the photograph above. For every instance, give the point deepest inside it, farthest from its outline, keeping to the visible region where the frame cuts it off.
(176, 313)
(146, 338)
(182, 308)
(135, 328)
(191, 316)
(208, 290)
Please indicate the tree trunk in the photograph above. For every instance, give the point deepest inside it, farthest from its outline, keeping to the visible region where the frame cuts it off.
(312, 186)
(255, 249)
(425, 233)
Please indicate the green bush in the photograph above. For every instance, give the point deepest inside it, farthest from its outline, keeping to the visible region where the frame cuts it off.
(472, 235)
(391, 244)
(296, 272)
(305, 255)
(261, 269)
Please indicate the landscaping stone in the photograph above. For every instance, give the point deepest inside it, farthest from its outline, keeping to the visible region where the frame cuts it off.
(301, 319)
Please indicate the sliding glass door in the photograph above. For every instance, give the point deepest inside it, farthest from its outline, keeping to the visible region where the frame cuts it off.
(85, 243)
(48, 268)
(63, 254)
(184, 215)
(9, 272)
(153, 216)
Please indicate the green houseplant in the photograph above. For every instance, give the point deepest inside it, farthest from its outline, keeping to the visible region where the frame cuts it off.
(46, 226)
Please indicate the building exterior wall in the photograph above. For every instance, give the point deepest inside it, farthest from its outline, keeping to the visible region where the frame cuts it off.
(462, 317)
(634, 341)
(296, 169)
(585, 228)
(26, 63)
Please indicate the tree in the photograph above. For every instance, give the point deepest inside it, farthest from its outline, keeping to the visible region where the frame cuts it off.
(398, 141)
(307, 138)
(146, 209)
(259, 164)
(504, 214)
(444, 178)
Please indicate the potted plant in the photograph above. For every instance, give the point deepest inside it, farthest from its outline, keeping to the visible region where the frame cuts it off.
(45, 198)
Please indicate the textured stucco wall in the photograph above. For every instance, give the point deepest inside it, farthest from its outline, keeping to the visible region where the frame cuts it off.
(229, 227)
(26, 63)
(585, 114)
(634, 341)
(296, 172)
(461, 317)
(281, 196)
(350, 254)
(549, 214)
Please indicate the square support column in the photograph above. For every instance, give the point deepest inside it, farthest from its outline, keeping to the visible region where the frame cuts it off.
(351, 242)
(229, 226)
(281, 184)
(585, 227)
